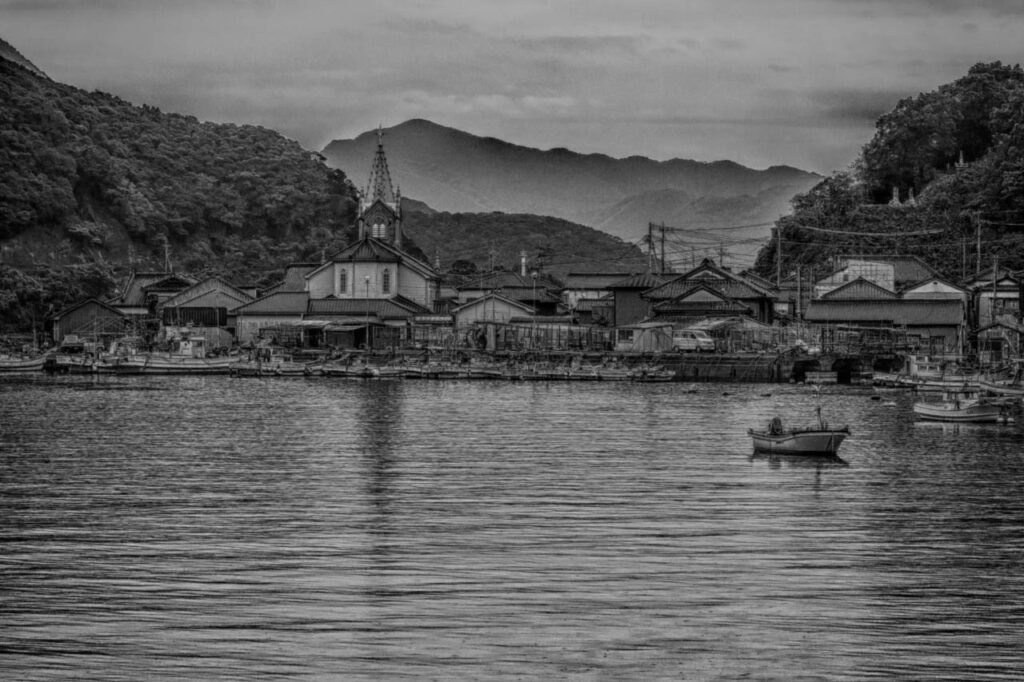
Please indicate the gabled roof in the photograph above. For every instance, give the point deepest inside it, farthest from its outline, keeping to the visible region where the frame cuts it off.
(75, 306)
(909, 288)
(494, 297)
(643, 281)
(171, 282)
(280, 303)
(133, 290)
(204, 287)
(915, 312)
(396, 307)
(707, 268)
(369, 249)
(704, 297)
(985, 277)
(859, 289)
(729, 288)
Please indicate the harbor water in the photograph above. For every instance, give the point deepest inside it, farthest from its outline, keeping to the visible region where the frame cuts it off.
(216, 528)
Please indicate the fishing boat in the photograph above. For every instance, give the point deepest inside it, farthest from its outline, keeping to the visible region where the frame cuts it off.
(21, 364)
(1008, 384)
(963, 406)
(819, 439)
(187, 356)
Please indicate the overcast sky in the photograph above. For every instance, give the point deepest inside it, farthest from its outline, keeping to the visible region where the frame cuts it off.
(761, 82)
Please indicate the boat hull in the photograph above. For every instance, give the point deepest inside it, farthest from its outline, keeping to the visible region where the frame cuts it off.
(21, 365)
(977, 414)
(811, 442)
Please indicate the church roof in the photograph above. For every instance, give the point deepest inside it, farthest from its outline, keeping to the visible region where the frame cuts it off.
(369, 249)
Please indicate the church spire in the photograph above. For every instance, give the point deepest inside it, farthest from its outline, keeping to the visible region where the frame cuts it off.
(379, 188)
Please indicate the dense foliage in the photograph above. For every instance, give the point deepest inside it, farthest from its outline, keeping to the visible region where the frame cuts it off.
(497, 241)
(916, 152)
(90, 178)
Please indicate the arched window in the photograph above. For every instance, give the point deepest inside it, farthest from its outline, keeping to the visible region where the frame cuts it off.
(379, 230)
(385, 282)
(342, 281)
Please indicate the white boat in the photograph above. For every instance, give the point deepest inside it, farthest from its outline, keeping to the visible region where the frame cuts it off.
(9, 364)
(960, 406)
(819, 439)
(1011, 384)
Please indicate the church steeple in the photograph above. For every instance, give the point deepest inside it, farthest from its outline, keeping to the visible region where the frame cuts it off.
(380, 210)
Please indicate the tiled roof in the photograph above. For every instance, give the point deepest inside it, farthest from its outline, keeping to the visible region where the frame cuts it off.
(281, 303)
(646, 280)
(583, 280)
(730, 288)
(859, 289)
(75, 306)
(897, 311)
(134, 294)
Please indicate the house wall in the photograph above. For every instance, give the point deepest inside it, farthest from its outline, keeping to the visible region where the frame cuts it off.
(404, 280)
(630, 308)
(488, 310)
(1006, 303)
(247, 327)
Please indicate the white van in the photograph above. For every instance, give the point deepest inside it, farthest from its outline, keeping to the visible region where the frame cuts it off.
(692, 340)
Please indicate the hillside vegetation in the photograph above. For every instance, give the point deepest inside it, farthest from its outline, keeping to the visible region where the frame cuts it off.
(944, 205)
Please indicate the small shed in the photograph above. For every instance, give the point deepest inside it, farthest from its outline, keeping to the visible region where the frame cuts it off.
(646, 337)
(90, 319)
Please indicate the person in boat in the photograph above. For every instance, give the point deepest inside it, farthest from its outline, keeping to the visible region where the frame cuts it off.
(775, 426)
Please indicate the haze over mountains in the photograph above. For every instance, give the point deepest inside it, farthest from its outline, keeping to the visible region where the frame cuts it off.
(455, 171)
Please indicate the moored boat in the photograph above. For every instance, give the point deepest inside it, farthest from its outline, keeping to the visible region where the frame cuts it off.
(819, 439)
(961, 406)
(22, 364)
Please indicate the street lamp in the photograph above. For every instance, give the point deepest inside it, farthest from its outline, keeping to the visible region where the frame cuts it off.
(367, 281)
(533, 330)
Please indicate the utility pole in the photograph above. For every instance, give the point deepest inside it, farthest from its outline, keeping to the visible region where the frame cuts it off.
(778, 255)
(662, 249)
(650, 247)
(799, 293)
(977, 227)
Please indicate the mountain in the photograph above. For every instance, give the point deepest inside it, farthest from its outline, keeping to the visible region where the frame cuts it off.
(456, 171)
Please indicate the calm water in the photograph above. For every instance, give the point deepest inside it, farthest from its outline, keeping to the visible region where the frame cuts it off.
(218, 528)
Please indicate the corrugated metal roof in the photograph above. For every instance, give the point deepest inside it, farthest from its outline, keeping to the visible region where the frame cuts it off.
(897, 311)
(905, 268)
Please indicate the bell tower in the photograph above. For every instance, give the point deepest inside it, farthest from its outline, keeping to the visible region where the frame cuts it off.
(380, 206)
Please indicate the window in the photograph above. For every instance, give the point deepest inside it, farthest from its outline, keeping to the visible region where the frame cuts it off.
(342, 281)
(386, 281)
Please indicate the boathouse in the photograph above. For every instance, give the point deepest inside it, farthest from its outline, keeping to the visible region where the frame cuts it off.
(91, 320)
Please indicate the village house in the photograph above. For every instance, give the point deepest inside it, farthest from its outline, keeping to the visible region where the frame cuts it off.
(709, 291)
(629, 305)
(995, 297)
(91, 320)
(202, 310)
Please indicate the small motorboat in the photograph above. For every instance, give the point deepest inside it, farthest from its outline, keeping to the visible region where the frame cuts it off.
(962, 406)
(819, 439)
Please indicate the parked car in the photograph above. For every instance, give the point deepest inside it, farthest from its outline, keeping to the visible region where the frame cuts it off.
(692, 340)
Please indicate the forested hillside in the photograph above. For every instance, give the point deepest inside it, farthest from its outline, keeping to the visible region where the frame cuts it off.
(954, 158)
(91, 185)
(498, 239)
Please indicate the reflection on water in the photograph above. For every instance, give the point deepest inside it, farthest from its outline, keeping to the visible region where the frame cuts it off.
(217, 528)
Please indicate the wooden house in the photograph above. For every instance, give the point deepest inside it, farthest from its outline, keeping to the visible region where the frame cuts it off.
(203, 308)
(938, 324)
(708, 291)
(588, 286)
(142, 293)
(995, 297)
(273, 310)
(90, 320)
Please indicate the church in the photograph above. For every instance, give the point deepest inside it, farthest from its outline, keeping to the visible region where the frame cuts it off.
(369, 291)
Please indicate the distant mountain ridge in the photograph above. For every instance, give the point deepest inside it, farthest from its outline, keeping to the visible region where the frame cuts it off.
(456, 171)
